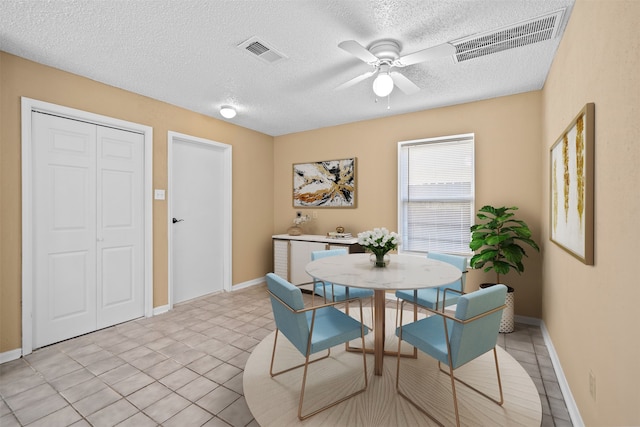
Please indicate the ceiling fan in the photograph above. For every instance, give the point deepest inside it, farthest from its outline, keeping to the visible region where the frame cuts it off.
(384, 57)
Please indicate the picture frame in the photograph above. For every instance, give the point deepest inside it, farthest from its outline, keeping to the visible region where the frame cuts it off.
(325, 184)
(572, 182)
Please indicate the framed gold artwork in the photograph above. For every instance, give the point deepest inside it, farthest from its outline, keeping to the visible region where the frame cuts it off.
(325, 184)
(572, 175)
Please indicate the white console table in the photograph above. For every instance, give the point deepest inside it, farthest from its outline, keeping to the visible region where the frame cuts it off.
(291, 254)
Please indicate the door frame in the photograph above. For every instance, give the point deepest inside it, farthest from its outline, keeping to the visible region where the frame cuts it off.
(28, 106)
(226, 150)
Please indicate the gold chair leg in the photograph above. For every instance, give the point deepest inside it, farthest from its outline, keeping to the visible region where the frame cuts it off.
(332, 404)
(455, 396)
(497, 401)
(404, 395)
(273, 355)
(414, 353)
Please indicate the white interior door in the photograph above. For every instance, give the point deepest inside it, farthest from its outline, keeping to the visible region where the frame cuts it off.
(197, 204)
(88, 227)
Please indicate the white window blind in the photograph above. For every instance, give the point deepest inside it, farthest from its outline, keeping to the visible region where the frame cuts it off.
(436, 194)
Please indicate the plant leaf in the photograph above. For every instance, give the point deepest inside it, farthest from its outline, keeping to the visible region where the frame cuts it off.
(501, 267)
(497, 239)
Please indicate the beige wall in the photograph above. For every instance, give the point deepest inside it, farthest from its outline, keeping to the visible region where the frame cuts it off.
(591, 312)
(507, 134)
(252, 156)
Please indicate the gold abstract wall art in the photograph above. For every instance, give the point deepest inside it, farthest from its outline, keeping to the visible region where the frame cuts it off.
(325, 184)
(571, 204)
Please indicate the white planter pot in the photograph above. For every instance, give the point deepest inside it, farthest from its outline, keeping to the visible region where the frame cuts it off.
(507, 323)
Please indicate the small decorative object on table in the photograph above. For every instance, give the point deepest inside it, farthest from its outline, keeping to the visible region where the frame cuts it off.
(379, 242)
(296, 229)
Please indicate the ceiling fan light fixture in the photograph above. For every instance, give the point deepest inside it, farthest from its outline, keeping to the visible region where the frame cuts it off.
(228, 112)
(383, 85)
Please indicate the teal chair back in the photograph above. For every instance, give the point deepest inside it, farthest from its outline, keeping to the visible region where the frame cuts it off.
(331, 252)
(457, 261)
(294, 326)
(470, 340)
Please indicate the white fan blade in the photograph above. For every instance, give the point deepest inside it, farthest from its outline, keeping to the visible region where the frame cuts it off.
(355, 80)
(434, 52)
(403, 83)
(359, 51)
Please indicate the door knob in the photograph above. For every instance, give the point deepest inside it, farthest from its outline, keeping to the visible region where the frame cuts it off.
(177, 220)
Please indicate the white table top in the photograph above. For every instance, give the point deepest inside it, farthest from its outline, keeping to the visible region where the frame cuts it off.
(403, 272)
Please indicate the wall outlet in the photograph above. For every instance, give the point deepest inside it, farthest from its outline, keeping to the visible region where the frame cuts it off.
(592, 385)
(314, 214)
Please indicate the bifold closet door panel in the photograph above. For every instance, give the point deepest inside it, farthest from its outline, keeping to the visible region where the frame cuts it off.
(120, 228)
(64, 229)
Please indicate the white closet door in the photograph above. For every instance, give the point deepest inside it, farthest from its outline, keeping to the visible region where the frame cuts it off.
(88, 227)
(64, 202)
(120, 232)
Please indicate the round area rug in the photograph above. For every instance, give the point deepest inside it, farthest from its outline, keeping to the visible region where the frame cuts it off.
(274, 401)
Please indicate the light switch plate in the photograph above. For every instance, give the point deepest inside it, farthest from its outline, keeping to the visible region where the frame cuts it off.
(159, 194)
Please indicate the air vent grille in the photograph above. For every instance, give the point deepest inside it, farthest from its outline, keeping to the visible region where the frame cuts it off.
(261, 50)
(524, 33)
(257, 48)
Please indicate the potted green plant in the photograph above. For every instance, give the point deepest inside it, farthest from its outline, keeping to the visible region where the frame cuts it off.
(497, 242)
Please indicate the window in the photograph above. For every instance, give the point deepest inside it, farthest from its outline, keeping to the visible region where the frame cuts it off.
(436, 194)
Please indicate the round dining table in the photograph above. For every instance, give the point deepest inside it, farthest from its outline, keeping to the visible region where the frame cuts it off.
(402, 272)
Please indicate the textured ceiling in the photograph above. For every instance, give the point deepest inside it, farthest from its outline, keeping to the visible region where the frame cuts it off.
(185, 52)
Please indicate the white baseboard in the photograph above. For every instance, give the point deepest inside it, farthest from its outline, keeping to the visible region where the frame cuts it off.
(10, 355)
(247, 284)
(160, 310)
(572, 408)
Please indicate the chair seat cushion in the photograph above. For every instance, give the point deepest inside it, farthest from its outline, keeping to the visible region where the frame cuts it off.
(428, 336)
(339, 293)
(428, 297)
(332, 327)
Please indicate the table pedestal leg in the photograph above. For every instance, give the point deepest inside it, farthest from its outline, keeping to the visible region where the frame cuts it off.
(379, 325)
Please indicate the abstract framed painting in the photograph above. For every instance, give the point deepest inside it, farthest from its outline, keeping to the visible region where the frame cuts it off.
(572, 175)
(325, 184)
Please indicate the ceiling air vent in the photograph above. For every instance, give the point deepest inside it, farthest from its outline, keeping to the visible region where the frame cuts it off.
(521, 34)
(261, 50)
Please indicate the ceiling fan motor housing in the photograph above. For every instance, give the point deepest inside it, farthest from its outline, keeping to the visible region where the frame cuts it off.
(386, 49)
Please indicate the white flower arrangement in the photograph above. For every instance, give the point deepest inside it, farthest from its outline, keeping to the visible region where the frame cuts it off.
(300, 219)
(379, 241)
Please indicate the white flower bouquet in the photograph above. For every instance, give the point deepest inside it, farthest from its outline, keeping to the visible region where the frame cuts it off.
(379, 241)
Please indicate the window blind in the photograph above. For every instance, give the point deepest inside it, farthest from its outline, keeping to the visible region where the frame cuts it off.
(436, 192)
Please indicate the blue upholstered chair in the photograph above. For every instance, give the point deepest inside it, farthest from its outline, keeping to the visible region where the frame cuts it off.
(311, 330)
(334, 293)
(433, 297)
(457, 340)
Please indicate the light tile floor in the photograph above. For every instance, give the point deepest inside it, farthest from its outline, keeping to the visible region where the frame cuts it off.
(184, 368)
